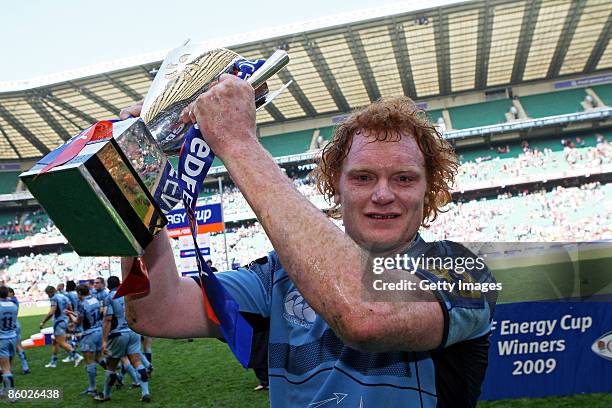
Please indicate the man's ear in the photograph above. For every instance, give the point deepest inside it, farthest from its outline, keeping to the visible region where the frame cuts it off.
(337, 198)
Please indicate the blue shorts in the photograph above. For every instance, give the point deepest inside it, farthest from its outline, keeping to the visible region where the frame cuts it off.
(92, 341)
(18, 331)
(7, 347)
(60, 328)
(123, 344)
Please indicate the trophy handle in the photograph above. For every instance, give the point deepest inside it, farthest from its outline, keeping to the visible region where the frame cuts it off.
(275, 63)
(270, 97)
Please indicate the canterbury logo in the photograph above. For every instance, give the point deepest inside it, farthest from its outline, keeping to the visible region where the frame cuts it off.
(297, 311)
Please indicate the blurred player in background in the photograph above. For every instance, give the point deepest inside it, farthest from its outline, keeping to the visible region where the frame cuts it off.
(8, 324)
(118, 340)
(25, 368)
(100, 291)
(59, 303)
(89, 316)
(74, 329)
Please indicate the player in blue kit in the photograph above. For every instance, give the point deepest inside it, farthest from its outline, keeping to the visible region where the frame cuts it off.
(25, 368)
(59, 303)
(332, 337)
(100, 290)
(74, 329)
(118, 340)
(89, 317)
(8, 335)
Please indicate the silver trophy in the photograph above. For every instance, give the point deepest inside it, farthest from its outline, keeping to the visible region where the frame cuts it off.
(186, 73)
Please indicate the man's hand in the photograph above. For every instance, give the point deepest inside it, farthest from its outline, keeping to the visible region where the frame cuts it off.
(133, 110)
(226, 115)
(104, 350)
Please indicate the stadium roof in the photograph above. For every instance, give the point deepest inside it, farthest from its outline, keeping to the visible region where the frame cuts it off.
(340, 64)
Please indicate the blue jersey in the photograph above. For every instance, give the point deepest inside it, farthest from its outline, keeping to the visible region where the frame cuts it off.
(90, 314)
(16, 302)
(116, 309)
(61, 303)
(102, 296)
(8, 319)
(309, 364)
(74, 299)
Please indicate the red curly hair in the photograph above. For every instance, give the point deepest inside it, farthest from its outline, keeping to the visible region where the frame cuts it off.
(385, 119)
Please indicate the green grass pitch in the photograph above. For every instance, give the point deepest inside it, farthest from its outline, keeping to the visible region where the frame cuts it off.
(202, 373)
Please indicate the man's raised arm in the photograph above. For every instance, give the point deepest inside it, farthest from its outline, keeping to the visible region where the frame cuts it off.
(174, 307)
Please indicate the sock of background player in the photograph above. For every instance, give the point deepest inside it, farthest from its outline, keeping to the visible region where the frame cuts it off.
(24, 361)
(144, 360)
(102, 363)
(109, 380)
(91, 376)
(7, 381)
(119, 372)
(130, 370)
(144, 380)
(149, 355)
(53, 358)
(74, 355)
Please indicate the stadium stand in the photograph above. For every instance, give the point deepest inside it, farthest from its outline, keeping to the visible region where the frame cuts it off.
(287, 143)
(553, 103)
(604, 92)
(479, 114)
(434, 115)
(8, 181)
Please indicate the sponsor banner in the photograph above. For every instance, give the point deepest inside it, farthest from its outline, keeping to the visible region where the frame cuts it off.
(208, 217)
(188, 253)
(584, 81)
(10, 167)
(187, 264)
(541, 349)
(189, 274)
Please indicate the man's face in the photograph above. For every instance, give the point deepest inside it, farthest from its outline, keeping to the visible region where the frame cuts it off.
(382, 191)
(98, 284)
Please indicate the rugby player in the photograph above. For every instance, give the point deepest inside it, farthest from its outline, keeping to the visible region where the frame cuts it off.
(89, 317)
(74, 329)
(8, 324)
(100, 291)
(59, 303)
(388, 172)
(25, 368)
(118, 340)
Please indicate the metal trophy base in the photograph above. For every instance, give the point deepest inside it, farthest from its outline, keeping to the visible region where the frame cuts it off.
(98, 200)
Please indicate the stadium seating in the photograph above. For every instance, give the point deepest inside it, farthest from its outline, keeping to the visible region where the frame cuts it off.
(604, 92)
(553, 103)
(8, 181)
(515, 149)
(479, 114)
(434, 115)
(287, 143)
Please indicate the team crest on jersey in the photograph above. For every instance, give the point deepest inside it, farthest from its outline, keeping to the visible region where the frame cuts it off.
(297, 311)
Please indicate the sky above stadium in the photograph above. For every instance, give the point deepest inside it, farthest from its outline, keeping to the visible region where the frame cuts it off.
(42, 37)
